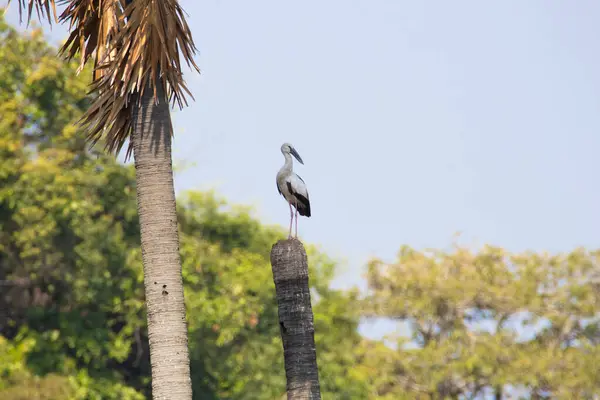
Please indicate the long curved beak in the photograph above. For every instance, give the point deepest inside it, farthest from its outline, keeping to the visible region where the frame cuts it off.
(296, 155)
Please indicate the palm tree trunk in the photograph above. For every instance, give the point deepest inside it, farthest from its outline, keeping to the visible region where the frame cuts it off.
(167, 327)
(290, 273)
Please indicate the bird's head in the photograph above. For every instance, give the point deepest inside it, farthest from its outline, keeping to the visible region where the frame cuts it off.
(287, 148)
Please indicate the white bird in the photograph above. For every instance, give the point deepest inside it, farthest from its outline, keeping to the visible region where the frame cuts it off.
(292, 187)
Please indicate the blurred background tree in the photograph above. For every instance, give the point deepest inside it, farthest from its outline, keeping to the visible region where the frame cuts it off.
(471, 324)
(491, 323)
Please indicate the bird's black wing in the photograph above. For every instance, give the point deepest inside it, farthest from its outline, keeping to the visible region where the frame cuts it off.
(277, 184)
(303, 204)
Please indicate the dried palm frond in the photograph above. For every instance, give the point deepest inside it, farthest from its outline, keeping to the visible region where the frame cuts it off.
(136, 47)
(42, 7)
(93, 24)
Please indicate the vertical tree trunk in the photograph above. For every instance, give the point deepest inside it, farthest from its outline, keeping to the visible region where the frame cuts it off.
(290, 273)
(167, 327)
(498, 392)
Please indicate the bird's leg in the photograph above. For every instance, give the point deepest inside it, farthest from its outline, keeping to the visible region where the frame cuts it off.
(296, 221)
(291, 218)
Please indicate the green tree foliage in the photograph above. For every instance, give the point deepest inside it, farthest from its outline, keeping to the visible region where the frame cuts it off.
(72, 322)
(488, 322)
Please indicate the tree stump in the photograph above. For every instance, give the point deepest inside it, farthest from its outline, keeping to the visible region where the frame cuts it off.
(290, 274)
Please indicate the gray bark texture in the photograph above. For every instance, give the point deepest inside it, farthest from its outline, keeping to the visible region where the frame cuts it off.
(290, 273)
(167, 327)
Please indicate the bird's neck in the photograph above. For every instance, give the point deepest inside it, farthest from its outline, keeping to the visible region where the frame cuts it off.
(288, 166)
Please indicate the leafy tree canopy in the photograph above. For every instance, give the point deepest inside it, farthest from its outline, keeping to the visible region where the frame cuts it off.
(489, 322)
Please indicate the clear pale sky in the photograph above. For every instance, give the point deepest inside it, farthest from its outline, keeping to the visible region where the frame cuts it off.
(415, 120)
